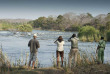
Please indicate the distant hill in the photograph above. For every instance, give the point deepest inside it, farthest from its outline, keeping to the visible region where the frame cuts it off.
(15, 20)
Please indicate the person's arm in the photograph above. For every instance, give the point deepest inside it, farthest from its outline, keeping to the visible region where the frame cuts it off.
(78, 39)
(97, 49)
(63, 43)
(69, 39)
(56, 41)
(102, 44)
(29, 44)
(37, 43)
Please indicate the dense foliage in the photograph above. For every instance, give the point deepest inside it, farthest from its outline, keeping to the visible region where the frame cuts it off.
(50, 23)
(90, 28)
(25, 28)
(72, 22)
(88, 33)
(7, 26)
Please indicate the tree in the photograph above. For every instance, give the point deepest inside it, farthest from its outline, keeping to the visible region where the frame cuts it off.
(108, 25)
(40, 22)
(89, 15)
(70, 19)
(101, 18)
(51, 23)
(60, 22)
(108, 17)
(85, 18)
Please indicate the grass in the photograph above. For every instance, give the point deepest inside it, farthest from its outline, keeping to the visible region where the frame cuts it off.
(86, 64)
(93, 69)
(39, 71)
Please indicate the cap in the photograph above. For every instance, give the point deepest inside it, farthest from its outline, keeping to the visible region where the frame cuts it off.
(35, 35)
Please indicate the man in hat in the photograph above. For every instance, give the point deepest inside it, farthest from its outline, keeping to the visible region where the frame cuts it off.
(100, 49)
(73, 51)
(34, 45)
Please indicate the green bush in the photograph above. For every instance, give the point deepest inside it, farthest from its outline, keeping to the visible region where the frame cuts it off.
(89, 32)
(83, 38)
(25, 28)
(7, 26)
(91, 38)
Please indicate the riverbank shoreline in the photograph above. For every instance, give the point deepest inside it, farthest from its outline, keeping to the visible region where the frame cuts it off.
(40, 29)
(90, 69)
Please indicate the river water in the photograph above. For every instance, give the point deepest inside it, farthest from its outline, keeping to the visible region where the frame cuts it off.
(15, 46)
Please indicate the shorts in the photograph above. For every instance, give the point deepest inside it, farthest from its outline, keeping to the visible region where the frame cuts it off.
(61, 53)
(33, 56)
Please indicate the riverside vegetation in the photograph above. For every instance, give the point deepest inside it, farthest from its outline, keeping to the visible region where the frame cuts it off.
(90, 28)
(87, 64)
(21, 28)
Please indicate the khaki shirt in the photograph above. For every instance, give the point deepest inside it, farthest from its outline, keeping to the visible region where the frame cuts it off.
(74, 42)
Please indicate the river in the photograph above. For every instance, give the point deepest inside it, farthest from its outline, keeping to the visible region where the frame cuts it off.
(15, 46)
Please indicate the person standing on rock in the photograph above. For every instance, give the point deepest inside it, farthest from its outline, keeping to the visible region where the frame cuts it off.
(73, 51)
(60, 49)
(100, 50)
(34, 45)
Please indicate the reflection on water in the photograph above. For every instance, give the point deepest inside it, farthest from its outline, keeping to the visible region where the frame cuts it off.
(15, 45)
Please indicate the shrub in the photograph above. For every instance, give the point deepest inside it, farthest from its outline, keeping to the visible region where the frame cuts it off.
(90, 38)
(83, 38)
(25, 28)
(89, 32)
(6, 26)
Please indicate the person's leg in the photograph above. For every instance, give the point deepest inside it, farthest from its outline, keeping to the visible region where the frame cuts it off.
(102, 56)
(75, 56)
(30, 60)
(33, 64)
(99, 56)
(62, 56)
(34, 59)
(36, 63)
(70, 58)
(57, 57)
(29, 63)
